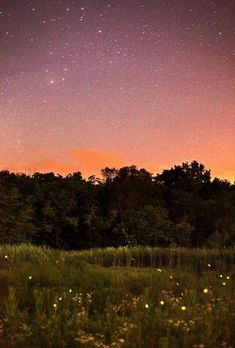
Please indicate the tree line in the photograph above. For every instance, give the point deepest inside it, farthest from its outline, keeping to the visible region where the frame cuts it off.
(182, 206)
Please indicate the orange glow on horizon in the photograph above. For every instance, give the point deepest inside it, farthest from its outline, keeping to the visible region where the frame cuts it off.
(91, 161)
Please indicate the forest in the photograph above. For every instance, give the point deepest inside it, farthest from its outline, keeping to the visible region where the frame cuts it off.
(182, 206)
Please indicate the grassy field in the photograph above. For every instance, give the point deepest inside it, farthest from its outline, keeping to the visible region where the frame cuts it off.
(137, 297)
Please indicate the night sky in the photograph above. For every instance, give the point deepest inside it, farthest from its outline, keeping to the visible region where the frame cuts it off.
(93, 83)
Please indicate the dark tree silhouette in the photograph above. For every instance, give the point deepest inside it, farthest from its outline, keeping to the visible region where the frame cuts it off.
(126, 206)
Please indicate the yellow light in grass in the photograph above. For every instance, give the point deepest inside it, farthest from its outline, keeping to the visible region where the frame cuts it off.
(54, 305)
(183, 308)
(228, 277)
(5, 257)
(205, 291)
(161, 302)
(30, 277)
(70, 290)
(60, 298)
(146, 305)
(221, 276)
(224, 283)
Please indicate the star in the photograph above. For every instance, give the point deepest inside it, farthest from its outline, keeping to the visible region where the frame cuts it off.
(148, 79)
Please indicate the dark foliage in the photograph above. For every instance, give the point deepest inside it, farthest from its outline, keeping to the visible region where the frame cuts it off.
(128, 206)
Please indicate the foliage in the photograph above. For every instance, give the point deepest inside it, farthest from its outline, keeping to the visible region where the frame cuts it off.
(54, 299)
(182, 206)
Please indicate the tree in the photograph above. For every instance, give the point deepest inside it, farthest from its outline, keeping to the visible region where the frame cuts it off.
(186, 177)
(15, 217)
(183, 232)
(148, 226)
(127, 206)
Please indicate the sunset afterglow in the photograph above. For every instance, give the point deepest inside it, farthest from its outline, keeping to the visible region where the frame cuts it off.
(90, 84)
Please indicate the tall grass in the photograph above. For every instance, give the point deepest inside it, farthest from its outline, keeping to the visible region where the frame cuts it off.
(182, 258)
(51, 298)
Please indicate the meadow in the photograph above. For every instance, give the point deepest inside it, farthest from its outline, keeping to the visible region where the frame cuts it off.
(125, 297)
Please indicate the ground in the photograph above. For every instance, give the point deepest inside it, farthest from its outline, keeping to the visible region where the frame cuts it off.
(126, 297)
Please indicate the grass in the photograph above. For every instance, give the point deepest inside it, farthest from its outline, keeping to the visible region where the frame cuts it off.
(126, 297)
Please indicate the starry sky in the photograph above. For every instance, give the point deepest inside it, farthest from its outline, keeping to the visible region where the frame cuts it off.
(86, 84)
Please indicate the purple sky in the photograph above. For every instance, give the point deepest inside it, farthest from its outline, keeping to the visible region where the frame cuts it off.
(85, 84)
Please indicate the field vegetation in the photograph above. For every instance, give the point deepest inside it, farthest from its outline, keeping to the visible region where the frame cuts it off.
(116, 297)
(130, 259)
